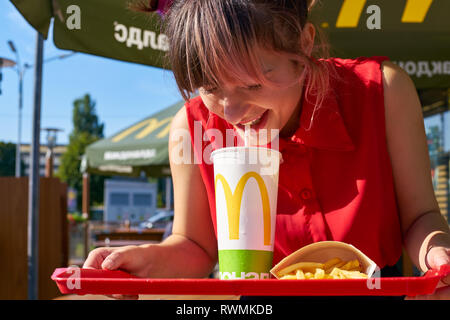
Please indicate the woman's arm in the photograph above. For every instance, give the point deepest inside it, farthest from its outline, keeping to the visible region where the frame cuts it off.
(422, 224)
(191, 250)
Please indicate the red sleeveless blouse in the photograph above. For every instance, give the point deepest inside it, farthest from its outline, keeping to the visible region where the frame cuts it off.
(335, 181)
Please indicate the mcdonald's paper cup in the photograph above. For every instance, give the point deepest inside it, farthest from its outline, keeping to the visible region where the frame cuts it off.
(246, 187)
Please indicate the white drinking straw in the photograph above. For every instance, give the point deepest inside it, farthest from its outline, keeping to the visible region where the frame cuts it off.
(247, 135)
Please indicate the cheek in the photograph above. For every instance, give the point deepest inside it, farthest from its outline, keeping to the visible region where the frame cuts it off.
(284, 107)
(285, 100)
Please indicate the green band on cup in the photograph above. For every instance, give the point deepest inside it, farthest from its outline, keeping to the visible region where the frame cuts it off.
(245, 264)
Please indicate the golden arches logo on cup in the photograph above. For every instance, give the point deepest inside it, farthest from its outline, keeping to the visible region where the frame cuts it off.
(246, 201)
(233, 201)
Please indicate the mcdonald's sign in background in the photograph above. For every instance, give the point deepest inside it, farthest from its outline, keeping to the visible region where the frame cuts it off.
(413, 33)
(140, 147)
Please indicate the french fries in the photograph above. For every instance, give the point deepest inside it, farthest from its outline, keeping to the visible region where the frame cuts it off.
(305, 266)
(332, 269)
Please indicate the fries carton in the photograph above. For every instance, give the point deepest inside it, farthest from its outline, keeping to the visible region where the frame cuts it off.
(321, 252)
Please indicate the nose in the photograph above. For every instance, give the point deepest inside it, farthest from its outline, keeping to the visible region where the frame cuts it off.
(233, 110)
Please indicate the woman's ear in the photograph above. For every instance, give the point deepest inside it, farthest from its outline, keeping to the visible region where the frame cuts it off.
(307, 38)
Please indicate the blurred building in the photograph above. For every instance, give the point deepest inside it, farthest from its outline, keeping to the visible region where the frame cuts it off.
(25, 153)
(436, 104)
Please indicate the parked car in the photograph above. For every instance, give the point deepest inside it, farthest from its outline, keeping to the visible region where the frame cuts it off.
(159, 220)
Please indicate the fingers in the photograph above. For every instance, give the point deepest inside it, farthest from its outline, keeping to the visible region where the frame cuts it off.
(110, 259)
(96, 258)
(438, 256)
(445, 281)
(114, 260)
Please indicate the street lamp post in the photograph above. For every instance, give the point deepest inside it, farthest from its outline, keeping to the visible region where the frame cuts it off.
(20, 72)
(51, 143)
(5, 63)
(33, 181)
(21, 69)
(19, 123)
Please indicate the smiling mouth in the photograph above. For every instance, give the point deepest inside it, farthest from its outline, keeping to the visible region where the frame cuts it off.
(253, 122)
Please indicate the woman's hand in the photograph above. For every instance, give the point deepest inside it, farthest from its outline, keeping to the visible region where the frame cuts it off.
(437, 257)
(132, 259)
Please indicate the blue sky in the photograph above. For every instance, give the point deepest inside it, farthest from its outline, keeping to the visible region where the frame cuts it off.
(124, 92)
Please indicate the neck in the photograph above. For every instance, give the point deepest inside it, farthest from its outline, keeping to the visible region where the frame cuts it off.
(294, 121)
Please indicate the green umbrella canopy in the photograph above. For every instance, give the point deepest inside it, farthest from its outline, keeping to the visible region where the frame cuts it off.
(142, 147)
(413, 33)
(104, 28)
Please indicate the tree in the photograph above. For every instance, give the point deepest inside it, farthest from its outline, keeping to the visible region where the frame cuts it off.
(7, 159)
(85, 119)
(86, 130)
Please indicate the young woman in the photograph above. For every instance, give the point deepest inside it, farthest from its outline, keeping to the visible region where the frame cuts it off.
(355, 161)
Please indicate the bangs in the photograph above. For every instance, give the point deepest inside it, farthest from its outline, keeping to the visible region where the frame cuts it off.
(215, 42)
(215, 57)
(221, 47)
(219, 42)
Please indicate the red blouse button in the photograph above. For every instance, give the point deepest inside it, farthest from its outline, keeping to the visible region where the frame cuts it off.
(306, 194)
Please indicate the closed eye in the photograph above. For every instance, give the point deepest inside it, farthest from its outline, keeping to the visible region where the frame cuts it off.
(254, 87)
(214, 89)
(209, 90)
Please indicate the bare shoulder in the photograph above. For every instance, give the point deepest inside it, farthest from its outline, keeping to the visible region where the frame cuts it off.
(179, 125)
(400, 95)
(390, 68)
(180, 120)
(180, 147)
(395, 78)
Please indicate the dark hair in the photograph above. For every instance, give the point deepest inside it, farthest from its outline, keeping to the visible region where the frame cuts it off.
(211, 40)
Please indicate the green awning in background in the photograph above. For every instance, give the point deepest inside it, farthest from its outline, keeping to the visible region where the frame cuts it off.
(140, 148)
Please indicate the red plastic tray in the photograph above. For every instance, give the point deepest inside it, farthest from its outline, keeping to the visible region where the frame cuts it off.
(90, 281)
